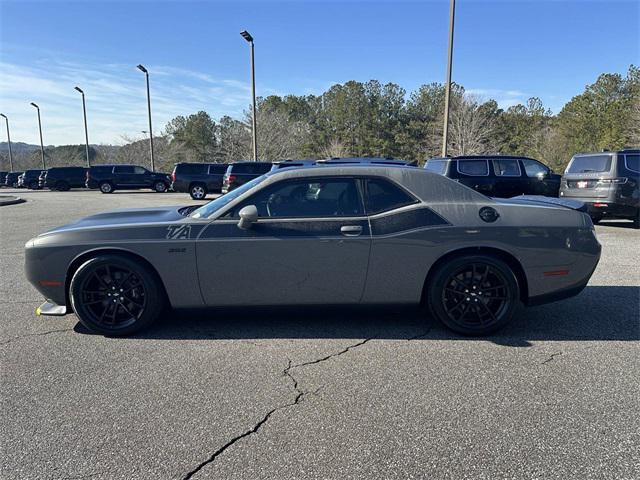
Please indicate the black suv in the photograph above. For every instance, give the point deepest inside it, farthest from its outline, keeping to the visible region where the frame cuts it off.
(125, 177)
(239, 173)
(11, 180)
(607, 182)
(499, 175)
(30, 179)
(3, 178)
(198, 178)
(63, 178)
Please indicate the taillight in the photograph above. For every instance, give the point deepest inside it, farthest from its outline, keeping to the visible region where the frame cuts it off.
(173, 176)
(231, 179)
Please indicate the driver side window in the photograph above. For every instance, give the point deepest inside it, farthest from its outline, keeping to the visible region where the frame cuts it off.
(318, 197)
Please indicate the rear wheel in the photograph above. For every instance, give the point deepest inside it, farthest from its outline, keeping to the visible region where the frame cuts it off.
(106, 187)
(198, 191)
(33, 185)
(474, 294)
(115, 295)
(160, 187)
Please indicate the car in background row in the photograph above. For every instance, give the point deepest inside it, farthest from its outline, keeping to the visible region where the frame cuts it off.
(3, 177)
(29, 179)
(11, 180)
(607, 182)
(343, 161)
(198, 179)
(63, 178)
(109, 178)
(499, 176)
(239, 173)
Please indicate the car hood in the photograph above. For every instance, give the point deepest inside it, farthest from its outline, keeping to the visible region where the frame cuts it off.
(125, 217)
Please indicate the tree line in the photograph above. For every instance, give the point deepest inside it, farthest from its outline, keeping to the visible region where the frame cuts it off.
(372, 119)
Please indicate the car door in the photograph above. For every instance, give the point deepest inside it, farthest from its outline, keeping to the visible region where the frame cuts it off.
(123, 176)
(509, 179)
(141, 177)
(540, 179)
(474, 173)
(310, 245)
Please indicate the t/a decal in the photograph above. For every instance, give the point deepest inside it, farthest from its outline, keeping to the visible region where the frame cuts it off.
(178, 232)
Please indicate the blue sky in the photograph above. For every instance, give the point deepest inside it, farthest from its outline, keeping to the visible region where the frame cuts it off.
(506, 50)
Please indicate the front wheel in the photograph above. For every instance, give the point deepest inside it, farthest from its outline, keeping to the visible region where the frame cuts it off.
(474, 294)
(115, 295)
(160, 187)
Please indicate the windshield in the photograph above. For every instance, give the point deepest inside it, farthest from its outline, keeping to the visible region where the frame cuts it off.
(213, 206)
(590, 163)
(437, 166)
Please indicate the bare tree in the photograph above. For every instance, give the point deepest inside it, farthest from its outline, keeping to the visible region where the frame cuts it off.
(471, 128)
(335, 148)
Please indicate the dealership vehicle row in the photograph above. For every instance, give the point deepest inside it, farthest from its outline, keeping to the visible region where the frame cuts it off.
(607, 182)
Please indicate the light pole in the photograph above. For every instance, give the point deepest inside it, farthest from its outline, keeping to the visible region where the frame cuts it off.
(447, 91)
(86, 131)
(146, 74)
(247, 36)
(44, 167)
(6, 119)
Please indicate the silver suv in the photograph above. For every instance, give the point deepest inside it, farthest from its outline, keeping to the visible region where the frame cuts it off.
(607, 182)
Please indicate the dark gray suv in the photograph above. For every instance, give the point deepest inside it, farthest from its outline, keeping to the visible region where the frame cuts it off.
(607, 182)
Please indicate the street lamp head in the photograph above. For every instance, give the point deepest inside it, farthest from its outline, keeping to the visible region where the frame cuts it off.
(4, 116)
(34, 105)
(247, 36)
(79, 89)
(142, 69)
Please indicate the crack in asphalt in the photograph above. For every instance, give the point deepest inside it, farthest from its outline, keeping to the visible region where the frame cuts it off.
(299, 395)
(39, 334)
(551, 358)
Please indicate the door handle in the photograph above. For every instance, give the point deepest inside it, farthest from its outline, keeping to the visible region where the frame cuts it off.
(351, 230)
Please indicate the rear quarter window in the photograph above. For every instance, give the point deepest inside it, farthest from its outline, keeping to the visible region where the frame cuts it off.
(249, 168)
(632, 162)
(437, 166)
(217, 169)
(382, 196)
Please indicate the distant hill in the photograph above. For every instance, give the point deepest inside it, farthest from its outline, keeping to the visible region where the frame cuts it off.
(18, 147)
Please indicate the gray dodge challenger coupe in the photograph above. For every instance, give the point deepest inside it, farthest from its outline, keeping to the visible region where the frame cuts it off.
(320, 235)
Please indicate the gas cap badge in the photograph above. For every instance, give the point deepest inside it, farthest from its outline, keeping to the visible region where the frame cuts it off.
(488, 214)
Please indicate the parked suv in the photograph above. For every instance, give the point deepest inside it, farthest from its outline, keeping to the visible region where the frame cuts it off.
(607, 182)
(3, 177)
(63, 178)
(239, 173)
(109, 178)
(499, 175)
(198, 178)
(30, 179)
(11, 180)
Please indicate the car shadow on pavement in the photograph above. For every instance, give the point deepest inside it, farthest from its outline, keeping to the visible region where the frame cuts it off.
(599, 313)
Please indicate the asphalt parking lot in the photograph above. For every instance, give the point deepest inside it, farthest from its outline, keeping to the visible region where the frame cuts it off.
(337, 393)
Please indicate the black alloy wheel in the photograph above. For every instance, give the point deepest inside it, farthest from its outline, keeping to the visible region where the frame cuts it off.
(474, 295)
(115, 295)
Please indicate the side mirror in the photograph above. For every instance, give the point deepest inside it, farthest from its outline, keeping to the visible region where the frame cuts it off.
(248, 216)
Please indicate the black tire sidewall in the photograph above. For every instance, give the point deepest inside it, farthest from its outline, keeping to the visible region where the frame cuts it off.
(434, 293)
(153, 292)
(105, 183)
(163, 189)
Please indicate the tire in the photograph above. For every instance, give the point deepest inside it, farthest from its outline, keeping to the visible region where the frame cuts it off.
(106, 187)
(116, 295)
(636, 221)
(62, 186)
(473, 295)
(198, 191)
(33, 186)
(160, 187)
